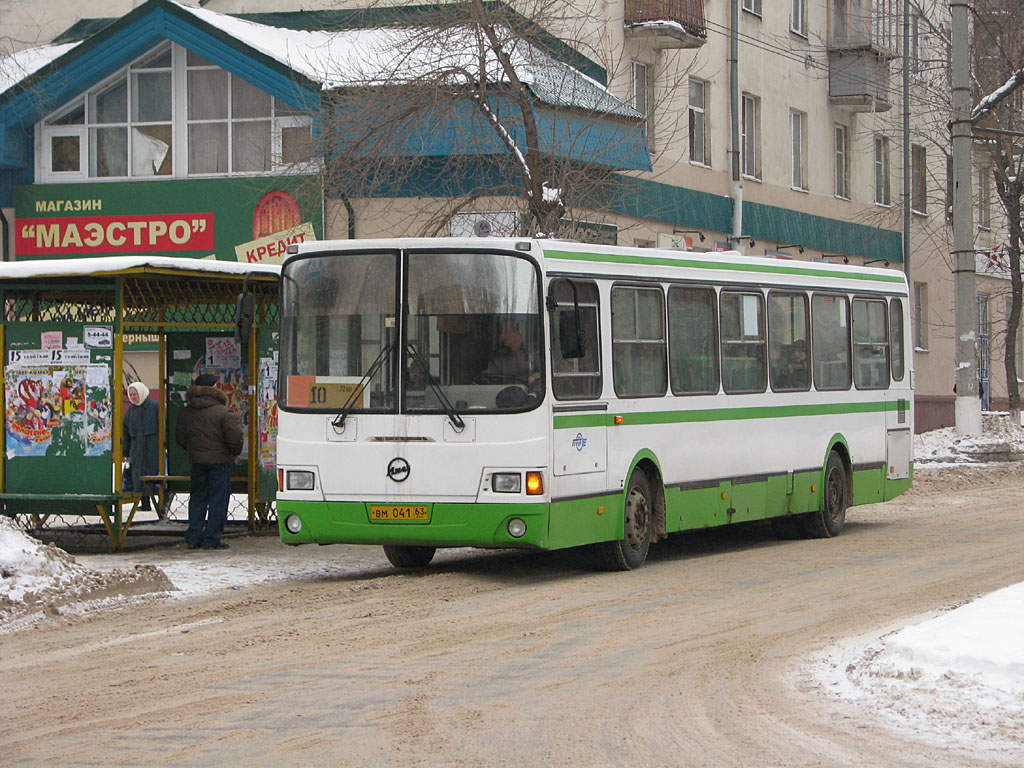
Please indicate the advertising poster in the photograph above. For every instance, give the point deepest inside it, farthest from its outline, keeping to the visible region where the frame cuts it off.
(267, 404)
(56, 409)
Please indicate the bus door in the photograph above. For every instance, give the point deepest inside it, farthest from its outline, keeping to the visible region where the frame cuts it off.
(899, 427)
(580, 439)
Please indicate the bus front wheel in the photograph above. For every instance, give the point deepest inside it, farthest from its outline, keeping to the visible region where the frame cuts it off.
(630, 551)
(829, 520)
(409, 557)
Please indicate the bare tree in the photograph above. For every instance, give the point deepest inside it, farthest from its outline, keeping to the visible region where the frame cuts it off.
(998, 75)
(472, 101)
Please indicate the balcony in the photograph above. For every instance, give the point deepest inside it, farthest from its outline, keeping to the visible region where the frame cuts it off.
(863, 37)
(667, 23)
(858, 79)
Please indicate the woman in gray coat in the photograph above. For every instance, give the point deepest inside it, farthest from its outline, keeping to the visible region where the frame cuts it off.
(140, 437)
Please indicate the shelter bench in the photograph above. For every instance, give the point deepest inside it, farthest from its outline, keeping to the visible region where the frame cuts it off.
(42, 506)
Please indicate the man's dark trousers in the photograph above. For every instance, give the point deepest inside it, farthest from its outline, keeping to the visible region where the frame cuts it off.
(208, 504)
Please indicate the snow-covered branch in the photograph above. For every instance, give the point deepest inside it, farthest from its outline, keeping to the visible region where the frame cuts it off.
(990, 102)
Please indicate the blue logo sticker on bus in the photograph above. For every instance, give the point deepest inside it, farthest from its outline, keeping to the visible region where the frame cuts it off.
(579, 442)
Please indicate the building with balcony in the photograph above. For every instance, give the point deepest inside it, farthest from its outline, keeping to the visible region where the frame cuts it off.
(805, 161)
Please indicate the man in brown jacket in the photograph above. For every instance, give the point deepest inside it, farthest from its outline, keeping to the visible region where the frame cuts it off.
(211, 434)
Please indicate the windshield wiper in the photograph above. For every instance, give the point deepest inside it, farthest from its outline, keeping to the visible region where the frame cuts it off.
(449, 409)
(339, 421)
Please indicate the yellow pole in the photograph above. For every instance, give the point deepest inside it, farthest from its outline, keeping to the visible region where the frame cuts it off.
(115, 390)
(254, 427)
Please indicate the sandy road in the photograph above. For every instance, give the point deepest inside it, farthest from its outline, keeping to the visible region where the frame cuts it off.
(495, 659)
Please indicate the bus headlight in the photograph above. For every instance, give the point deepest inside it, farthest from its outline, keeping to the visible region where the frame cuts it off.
(296, 480)
(516, 528)
(506, 482)
(293, 523)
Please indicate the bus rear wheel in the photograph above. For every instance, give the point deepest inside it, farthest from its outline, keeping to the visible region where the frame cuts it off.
(630, 551)
(829, 520)
(409, 557)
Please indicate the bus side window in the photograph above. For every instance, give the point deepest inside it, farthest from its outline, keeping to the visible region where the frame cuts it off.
(638, 341)
(896, 338)
(870, 344)
(830, 334)
(743, 342)
(576, 377)
(788, 334)
(693, 340)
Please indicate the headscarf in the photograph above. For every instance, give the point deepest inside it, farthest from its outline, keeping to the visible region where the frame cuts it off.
(141, 390)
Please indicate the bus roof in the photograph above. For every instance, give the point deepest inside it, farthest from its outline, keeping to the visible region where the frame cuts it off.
(578, 257)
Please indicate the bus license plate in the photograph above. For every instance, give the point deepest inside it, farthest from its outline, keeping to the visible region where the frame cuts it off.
(400, 513)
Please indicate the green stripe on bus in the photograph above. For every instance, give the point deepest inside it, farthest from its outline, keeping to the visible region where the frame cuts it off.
(621, 258)
(720, 414)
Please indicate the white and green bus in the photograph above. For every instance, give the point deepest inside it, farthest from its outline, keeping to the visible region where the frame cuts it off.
(547, 394)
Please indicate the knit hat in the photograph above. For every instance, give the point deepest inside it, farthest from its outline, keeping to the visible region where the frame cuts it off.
(140, 389)
(206, 380)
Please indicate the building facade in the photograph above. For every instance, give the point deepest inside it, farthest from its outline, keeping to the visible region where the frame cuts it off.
(774, 129)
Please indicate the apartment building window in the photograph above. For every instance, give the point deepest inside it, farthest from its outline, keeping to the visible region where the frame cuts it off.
(752, 6)
(918, 179)
(984, 198)
(842, 151)
(921, 316)
(984, 351)
(882, 193)
(750, 141)
(699, 151)
(798, 17)
(1018, 347)
(915, 44)
(798, 149)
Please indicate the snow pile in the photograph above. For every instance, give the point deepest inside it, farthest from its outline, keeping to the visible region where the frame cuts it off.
(38, 579)
(1001, 440)
(969, 642)
(960, 673)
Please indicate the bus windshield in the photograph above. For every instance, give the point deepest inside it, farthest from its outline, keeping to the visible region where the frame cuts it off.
(471, 339)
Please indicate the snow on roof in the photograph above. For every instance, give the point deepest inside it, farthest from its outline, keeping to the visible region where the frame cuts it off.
(17, 66)
(376, 56)
(112, 264)
(383, 55)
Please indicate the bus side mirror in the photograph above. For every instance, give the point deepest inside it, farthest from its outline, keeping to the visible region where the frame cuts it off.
(570, 334)
(244, 317)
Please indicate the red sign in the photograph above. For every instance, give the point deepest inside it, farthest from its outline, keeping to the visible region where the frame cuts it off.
(83, 235)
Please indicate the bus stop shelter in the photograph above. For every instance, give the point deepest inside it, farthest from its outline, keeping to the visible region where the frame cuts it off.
(66, 326)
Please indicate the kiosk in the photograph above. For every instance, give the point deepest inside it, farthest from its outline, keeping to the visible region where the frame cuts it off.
(63, 337)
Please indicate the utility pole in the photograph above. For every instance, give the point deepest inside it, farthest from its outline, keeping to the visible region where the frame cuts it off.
(968, 405)
(735, 115)
(906, 140)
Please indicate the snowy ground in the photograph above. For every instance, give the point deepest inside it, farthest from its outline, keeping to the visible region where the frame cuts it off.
(958, 674)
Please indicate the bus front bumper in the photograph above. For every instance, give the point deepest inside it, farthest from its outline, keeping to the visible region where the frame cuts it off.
(449, 525)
